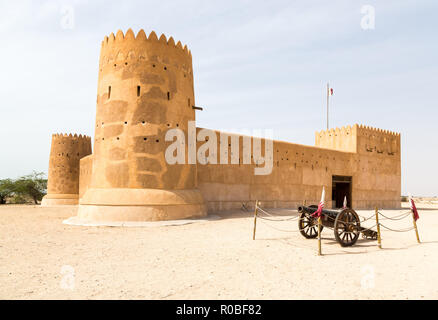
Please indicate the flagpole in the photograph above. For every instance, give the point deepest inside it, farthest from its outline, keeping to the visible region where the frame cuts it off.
(328, 105)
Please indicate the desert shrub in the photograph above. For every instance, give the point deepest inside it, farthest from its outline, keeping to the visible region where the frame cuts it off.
(6, 189)
(17, 199)
(33, 185)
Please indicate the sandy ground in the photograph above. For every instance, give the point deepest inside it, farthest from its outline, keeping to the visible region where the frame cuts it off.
(41, 258)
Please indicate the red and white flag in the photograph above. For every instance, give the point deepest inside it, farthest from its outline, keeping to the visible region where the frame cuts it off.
(330, 91)
(318, 212)
(344, 206)
(413, 208)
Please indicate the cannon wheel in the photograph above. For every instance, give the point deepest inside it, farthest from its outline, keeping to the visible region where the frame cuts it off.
(347, 227)
(308, 225)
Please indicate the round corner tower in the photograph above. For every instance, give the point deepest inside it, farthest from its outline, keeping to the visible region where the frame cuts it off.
(145, 87)
(63, 178)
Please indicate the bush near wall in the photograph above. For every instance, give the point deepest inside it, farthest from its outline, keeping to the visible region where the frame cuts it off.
(31, 187)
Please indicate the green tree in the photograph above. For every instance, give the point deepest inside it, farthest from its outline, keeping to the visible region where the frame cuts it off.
(6, 189)
(33, 185)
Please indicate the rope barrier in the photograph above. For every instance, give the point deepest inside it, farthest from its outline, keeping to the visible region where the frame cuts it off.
(310, 226)
(283, 230)
(399, 217)
(277, 219)
(366, 218)
(324, 226)
(397, 230)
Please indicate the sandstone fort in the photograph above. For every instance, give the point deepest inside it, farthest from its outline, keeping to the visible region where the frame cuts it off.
(145, 88)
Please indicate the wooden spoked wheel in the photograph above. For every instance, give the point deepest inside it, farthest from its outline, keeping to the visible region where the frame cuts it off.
(347, 227)
(308, 226)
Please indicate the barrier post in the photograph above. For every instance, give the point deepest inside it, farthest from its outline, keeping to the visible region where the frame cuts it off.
(319, 236)
(379, 239)
(255, 219)
(415, 226)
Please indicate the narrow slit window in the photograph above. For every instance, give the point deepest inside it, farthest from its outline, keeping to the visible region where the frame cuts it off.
(109, 92)
(138, 91)
(168, 95)
(188, 102)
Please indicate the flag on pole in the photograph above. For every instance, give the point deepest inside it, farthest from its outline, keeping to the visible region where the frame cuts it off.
(344, 206)
(318, 212)
(330, 93)
(413, 208)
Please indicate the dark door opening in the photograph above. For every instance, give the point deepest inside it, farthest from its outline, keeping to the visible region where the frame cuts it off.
(341, 188)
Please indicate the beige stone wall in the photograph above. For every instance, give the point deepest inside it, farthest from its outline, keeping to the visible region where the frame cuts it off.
(145, 87)
(64, 164)
(85, 174)
(65, 154)
(299, 173)
(343, 139)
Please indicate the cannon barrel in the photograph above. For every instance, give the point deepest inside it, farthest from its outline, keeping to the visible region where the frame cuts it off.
(310, 210)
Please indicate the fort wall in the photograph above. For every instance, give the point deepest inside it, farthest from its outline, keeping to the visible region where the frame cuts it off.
(145, 87)
(85, 174)
(63, 178)
(299, 172)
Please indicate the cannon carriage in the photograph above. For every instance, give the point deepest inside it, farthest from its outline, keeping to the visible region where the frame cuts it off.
(345, 224)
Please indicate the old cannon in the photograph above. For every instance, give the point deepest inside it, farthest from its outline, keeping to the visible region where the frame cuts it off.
(345, 224)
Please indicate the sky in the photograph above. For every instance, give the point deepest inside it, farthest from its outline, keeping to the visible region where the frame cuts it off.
(257, 65)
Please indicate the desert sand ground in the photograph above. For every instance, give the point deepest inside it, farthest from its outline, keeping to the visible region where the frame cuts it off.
(41, 258)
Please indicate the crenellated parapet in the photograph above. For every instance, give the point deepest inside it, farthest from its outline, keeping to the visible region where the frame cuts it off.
(374, 140)
(343, 139)
(122, 49)
(359, 138)
(367, 130)
(63, 179)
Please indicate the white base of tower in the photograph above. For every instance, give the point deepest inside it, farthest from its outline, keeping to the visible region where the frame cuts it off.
(59, 200)
(140, 205)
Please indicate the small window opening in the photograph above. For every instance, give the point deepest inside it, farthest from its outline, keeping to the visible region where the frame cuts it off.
(109, 92)
(138, 91)
(165, 68)
(157, 140)
(145, 139)
(188, 102)
(168, 95)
